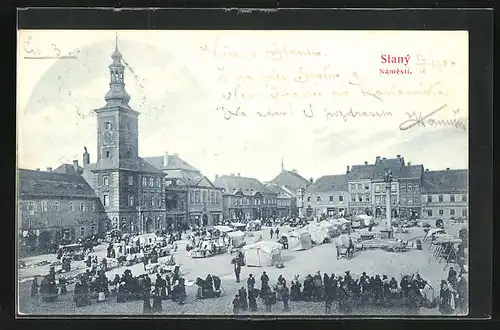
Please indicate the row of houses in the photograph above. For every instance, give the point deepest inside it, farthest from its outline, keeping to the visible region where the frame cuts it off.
(413, 190)
(122, 190)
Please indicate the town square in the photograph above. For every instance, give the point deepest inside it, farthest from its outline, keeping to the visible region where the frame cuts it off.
(117, 233)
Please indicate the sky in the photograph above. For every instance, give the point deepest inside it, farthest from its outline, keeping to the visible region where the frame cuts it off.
(185, 84)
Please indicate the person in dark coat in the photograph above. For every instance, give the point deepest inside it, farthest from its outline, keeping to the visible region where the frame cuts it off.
(146, 306)
(265, 281)
(285, 296)
(237, 271)
(62, 285)
(462, 295)
(295, 294)
(236, 304)
(445, 296)
(252, 300)
(161, 284)
(271, 232)
(34, 287)
(250, 283)
(157, 299)
(145, 261)
(147, 283)
(452, 277)
(277, 232)
(242, 294)
(121, 293)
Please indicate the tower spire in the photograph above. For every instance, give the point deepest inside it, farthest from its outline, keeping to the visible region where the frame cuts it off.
(117, 95)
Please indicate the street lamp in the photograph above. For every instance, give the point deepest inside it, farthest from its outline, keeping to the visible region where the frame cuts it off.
(388, 178)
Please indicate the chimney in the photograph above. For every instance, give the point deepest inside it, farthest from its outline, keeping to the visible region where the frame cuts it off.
(49, 169)
(447, 168)
(239, 174)
(37, 169)
(348, 170)
(398, 156)
(409, 163)
(86, 157)
(165, 159)
(427, 170)
(377, 160)
(216, 176)
(366, 163)
(75, 165)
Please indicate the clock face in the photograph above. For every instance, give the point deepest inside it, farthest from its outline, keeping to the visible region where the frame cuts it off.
(108, 138)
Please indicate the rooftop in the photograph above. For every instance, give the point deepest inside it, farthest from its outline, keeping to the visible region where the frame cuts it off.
(329, 183)
(170, 162)
(446, 181)
(290, 179)
(234, 183)
(53, 184)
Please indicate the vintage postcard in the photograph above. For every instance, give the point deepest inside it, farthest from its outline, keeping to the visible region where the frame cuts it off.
(242, 172)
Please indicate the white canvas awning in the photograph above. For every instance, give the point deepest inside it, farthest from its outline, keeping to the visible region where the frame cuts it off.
(224, 229)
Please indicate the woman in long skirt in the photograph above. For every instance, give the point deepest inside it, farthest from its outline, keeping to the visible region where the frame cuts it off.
(157, 299)
(146, 303)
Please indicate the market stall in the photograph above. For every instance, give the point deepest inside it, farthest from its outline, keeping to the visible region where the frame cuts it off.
(262, 254)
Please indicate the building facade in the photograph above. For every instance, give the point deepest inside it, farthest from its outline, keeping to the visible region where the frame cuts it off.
(410, 190)
(176, 198)
(445, 194)
(204, 199)
(286, 200)
(246, 198)
(57, 205)
(359, 180)
(130, 189)
(380, 187)
(293, 185)
(327, 196)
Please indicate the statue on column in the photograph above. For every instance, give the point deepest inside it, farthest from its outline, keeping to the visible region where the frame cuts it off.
(388, 175)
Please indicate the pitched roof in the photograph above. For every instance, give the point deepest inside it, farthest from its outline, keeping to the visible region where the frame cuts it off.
(411, 171)
(146, 166)
(141, 165)
(279, 190)
(361, 172)
(53, 184)
(171, 162)
(376, 171)
(446, 181)
(328, 183)
(248, 186)
(68, 169)
(290, 179)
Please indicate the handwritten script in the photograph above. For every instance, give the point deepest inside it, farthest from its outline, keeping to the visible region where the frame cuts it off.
(418, 120)
(269, 79)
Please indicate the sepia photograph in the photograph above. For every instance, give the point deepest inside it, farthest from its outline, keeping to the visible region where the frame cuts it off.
(256, 173)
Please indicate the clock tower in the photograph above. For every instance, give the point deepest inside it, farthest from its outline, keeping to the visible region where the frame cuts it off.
(117, 123)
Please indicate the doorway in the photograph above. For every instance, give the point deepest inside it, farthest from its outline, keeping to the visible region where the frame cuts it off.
(205, 220)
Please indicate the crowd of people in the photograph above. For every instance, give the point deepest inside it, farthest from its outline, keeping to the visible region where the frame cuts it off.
(347, 294)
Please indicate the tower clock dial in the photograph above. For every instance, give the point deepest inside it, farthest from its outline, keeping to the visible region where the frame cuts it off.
(108, 138)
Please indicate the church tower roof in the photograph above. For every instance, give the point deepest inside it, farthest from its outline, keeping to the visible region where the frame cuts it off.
(117, 95)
